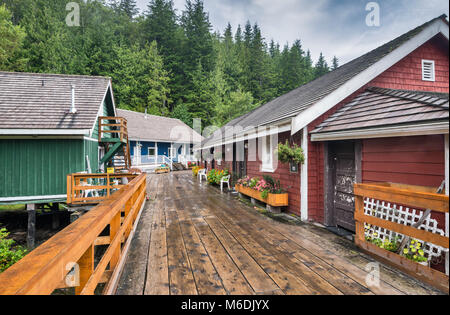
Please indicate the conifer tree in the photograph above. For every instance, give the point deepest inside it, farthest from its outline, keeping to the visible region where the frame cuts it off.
(321, 66)
(335, 63)
(11, 43)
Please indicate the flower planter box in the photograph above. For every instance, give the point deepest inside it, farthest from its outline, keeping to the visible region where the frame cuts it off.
(411, 196)
(162, 170)
(275, 200)
(418, 270)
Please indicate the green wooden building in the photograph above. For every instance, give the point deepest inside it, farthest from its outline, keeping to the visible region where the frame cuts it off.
(48, 129)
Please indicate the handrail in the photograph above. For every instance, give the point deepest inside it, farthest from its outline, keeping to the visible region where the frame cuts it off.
(168, 161)
(67, 259)
(396, 197)
(79, 183)
(119, 128)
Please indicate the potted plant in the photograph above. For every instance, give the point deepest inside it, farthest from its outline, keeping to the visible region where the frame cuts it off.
(195, 170)
(266, 190)
(386, 244)
(414, 251)
(293, 155)
(215, 176)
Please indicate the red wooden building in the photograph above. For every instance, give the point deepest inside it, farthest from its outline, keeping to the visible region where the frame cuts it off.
(382, 117)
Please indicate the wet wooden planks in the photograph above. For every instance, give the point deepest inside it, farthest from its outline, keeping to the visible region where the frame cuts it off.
(195, 240)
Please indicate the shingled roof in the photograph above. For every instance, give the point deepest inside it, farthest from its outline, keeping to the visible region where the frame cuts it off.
(383, 108)
(144, 127)
(295, 102)
(43, 101)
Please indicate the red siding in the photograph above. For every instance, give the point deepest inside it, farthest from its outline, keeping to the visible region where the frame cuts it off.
(407, 73)
(288, 180)
(406, 160)
(316, 166)
(422, 166)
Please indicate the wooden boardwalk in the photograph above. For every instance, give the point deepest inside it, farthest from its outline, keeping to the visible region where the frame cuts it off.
(191, 239)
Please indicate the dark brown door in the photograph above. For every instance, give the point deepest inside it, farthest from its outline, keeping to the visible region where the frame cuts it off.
(239, 167)
(343, 157)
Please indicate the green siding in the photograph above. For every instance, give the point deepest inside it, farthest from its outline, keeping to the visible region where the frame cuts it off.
(38, 167)
(91, 149)
(108, 110)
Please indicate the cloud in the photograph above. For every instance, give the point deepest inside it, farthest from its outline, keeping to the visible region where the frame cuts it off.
(334, 27)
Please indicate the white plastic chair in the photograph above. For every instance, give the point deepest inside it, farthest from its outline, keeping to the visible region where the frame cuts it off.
(201, 174)
(225, 180)
(85, 193)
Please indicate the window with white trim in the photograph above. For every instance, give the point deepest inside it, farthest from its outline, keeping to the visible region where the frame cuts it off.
(428, 71)
(151, 151)
(267, 154)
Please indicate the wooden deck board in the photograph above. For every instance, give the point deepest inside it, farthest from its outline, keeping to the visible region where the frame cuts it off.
(194, 240)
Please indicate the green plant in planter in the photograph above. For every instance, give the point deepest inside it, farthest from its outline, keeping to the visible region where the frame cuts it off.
(414, 251)
(215, 176)
(391, 246)
(288, 154)
(253, 182)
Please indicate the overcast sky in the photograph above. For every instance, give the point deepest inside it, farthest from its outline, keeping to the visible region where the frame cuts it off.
(335, 27)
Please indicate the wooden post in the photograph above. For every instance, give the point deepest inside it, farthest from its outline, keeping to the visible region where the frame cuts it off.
(69, 189)
(359, 210)
(114, 227)
(55, 216)
(127, 207)
(31, 230)
(86, 268)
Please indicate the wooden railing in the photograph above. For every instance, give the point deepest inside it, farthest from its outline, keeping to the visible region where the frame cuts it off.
(67, 259)
(402, 196)
(85, 189)
(114, 127)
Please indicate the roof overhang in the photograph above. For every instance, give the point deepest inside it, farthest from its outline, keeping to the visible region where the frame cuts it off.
(45, 132)
(248, 134)
(307, 116)
(421, 129)
(163, 141)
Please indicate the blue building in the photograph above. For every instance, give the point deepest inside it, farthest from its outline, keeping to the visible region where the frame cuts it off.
(156, 140)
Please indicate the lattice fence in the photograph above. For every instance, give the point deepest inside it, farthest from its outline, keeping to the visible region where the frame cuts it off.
(402, 215)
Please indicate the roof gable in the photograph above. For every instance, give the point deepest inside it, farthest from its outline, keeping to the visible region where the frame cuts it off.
(145, 127)
(309, 101)
(31, 101)
(378, 108)
(383, 58)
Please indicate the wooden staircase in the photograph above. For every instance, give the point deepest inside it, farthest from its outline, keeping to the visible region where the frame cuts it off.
(113, 135)
(178, 166)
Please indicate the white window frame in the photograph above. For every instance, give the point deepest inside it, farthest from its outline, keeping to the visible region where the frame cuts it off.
(267, 153)
(151, 148)
(433, 70)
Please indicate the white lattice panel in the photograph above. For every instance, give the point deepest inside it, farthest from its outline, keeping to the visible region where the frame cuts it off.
(401, 215)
